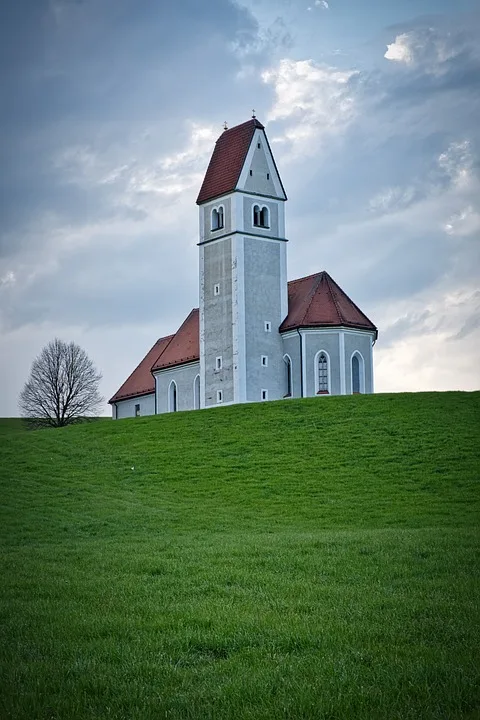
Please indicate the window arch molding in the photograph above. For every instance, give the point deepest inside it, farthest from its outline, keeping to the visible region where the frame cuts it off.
(260, 216)
(288, 375)
(217, 218)
(196, 392)
(322, 370)
(357, 371)
(172, 397)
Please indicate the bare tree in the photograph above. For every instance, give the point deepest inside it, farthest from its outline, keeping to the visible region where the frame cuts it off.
(62, 388)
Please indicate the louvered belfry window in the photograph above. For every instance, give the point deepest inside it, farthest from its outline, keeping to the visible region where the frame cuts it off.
(322, 373)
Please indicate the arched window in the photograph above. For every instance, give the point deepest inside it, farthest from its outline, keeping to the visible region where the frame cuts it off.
(196, 392)
(217, 218)
(358, 373)
(261, 217)
(322, 372)
(172, 397)
(288, 376)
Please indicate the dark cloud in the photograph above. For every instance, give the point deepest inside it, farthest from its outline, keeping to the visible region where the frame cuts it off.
(472, 324)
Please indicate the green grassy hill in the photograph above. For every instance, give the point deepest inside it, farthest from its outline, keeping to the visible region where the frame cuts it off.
(299, 559)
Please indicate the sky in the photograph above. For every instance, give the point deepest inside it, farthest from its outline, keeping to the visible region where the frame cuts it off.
(110, 111)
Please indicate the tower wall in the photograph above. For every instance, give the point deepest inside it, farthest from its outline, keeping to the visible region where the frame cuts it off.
(216, 339)
(263, 299)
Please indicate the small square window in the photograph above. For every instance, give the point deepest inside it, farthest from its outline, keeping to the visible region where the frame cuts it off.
(216, 289)
(218, 363)
(268, 326)
(137, 410)
(219, 396)
(264, 360)
(264, 394)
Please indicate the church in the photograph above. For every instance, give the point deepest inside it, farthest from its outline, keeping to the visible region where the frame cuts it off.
(255, 336)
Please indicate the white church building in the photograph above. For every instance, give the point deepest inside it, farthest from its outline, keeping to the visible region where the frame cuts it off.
(255, 336)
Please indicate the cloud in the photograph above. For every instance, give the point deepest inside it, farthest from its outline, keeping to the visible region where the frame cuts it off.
(63, 274)
(400, 50)
(466, 222)
(392, 198)
(8, 279)
(432, 50)
(312, 100)
(457, 163)
(423, 350)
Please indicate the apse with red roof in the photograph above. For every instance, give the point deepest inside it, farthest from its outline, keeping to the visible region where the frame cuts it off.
(255, 336)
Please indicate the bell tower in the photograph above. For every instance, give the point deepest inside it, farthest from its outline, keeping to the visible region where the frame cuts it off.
(243, 270)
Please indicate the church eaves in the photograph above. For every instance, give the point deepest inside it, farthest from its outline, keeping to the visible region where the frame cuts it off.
(317, 301)
(227, 160)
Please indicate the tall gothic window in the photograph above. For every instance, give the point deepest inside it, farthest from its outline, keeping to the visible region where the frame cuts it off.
(172, 397)
(217, 218)
(358, 374)
(196, 392)
(288, 376)
(322, 374)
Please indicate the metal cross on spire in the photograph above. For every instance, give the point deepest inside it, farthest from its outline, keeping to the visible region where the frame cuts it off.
(225, 126)
(253, 114)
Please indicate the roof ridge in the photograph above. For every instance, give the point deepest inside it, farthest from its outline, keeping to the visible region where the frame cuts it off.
(349, 300)
(253, 121)
(159, 356)
(337, 308)
(306, 277)
(313, 292)
(158, 361)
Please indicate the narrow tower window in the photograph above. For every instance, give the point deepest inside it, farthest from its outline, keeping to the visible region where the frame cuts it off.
(261, 216)
(264, 360)
(219, 396)
(264, 394)
(217, 218)
(218, 363)
(322, 374)
(268, 326)
(216, 289)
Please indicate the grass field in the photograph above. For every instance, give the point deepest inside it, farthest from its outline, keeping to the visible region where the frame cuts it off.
(299, 559)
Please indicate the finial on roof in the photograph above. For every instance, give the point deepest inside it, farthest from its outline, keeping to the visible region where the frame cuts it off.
(253, 114)
(225, 126)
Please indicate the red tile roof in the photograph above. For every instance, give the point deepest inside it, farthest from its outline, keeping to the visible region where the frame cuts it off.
(141, 381)
(184, 347)
(317, 301)
(227, 160)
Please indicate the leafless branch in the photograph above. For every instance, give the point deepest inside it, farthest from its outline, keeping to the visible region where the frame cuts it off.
(62, 387)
